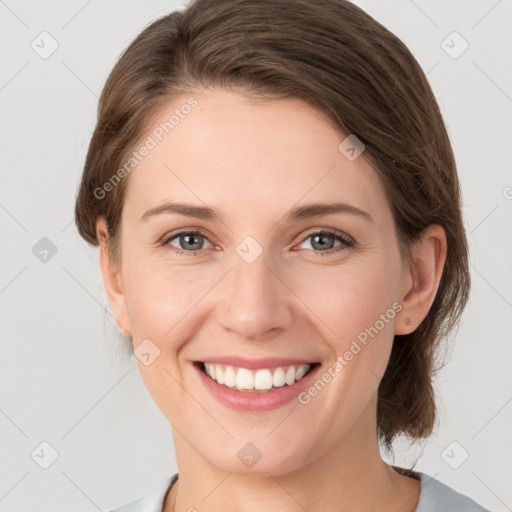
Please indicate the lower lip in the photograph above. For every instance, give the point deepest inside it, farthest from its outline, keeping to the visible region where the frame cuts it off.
(255, 401)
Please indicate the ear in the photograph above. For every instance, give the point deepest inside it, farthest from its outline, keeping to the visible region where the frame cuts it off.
(112, 279)
(421, 279)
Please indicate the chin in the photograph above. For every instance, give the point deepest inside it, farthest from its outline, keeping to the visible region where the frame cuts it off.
(248, 460)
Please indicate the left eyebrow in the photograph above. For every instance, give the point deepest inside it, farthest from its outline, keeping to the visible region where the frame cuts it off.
(318, 209)
(297, 214)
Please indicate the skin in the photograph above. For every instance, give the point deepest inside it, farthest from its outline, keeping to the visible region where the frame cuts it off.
(252, 161)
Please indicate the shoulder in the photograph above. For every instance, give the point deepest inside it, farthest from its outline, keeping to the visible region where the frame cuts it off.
(438, 497)
(151, 502)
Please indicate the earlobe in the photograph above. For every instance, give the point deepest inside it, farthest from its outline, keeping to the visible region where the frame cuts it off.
(112, 279)
(422, 281)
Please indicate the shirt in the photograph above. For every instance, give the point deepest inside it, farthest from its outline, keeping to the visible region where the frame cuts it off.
(434, 497)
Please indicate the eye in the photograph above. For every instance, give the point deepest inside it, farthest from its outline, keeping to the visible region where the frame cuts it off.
(188, 241)
(325, 240)
(192, 242)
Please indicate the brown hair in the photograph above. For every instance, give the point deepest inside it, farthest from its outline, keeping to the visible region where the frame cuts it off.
(337, 58)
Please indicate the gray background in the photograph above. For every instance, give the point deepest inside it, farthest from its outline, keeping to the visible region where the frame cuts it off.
(66, 377)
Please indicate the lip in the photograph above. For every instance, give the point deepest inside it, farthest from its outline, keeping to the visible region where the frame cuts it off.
(255, 364)
(254, 401)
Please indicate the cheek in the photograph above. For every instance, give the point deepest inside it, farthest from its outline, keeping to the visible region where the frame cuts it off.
(351, 299)
(163, 300)
(356, 305)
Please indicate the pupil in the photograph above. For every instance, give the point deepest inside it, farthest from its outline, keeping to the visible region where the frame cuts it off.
(322, 244)
(187, 237)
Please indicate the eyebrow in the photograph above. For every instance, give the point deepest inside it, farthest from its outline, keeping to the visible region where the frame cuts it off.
(296, 214)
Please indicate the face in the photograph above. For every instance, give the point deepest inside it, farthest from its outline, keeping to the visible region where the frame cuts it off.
(256, 282)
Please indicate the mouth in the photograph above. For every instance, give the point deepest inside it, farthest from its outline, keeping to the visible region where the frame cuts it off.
(256, 380)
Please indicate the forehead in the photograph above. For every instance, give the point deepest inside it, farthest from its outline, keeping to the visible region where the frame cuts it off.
(252, 156)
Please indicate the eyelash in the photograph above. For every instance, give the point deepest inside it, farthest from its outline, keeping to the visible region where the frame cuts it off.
(347, 242)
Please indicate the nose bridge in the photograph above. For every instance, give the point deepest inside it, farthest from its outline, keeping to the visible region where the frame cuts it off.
(253, 281)
(255, 300)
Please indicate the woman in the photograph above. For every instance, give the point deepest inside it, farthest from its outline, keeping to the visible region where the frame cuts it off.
(277, 209)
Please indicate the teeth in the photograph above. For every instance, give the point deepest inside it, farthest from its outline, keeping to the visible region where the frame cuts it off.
(229, 377)
(263, 380)
(260, 380)
(279, 378)
(301, 372)
(219, 375)
(244, 379)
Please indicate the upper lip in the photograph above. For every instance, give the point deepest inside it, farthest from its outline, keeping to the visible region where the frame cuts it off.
(252, 364)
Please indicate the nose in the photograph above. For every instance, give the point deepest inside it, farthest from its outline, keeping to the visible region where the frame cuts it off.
(256, 304)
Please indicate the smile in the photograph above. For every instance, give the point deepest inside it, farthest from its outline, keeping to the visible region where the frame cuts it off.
(261, 380)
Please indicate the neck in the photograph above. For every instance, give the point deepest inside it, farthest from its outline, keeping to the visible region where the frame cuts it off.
(349, 476)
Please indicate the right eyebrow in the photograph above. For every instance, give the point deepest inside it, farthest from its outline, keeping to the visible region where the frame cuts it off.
(187, 210)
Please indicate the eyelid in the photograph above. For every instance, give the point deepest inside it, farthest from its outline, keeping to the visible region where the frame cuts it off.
(184, 231)
(348, 242)
(330, 231)
(173, 235)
